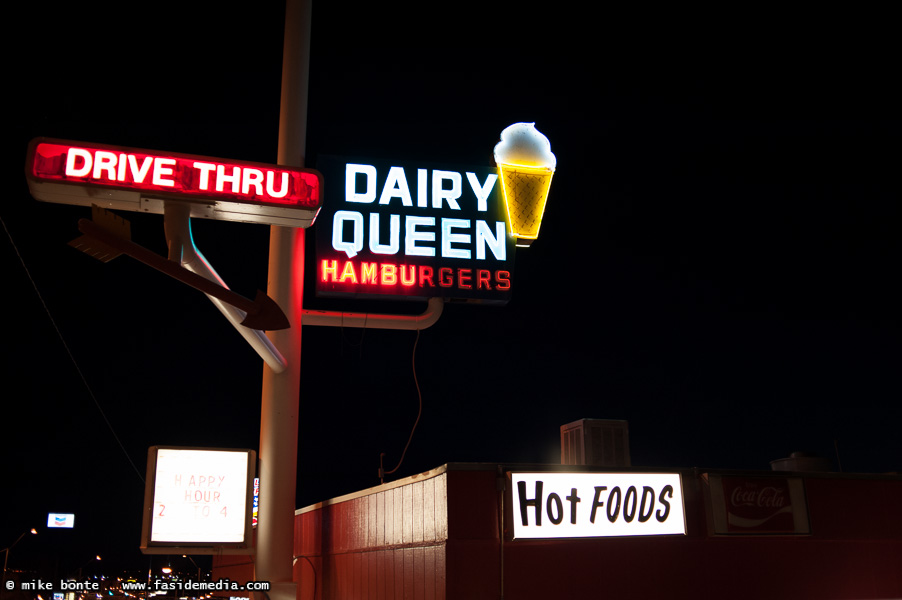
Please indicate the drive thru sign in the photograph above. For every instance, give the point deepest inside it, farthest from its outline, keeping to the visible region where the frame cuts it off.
(141, 180)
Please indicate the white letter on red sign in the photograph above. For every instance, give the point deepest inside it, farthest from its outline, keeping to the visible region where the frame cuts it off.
(222, 178)
(252, 177)
(270, 189)
(139, 173)
(75, 153)
(104, 161)
(205, 170)
(160, 169)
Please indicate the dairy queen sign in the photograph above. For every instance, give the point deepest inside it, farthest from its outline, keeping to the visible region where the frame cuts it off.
(405, 230)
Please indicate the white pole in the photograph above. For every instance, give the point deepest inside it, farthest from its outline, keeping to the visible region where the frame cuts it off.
(281, 391)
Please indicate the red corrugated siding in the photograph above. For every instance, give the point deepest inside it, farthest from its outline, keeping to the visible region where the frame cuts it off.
(387, 544)
(854, 551)
(438, 538)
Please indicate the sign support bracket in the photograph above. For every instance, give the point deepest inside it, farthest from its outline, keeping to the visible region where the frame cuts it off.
(177, 225)
(376, 321)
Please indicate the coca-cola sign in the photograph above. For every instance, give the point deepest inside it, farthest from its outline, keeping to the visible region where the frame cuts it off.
(757, 505)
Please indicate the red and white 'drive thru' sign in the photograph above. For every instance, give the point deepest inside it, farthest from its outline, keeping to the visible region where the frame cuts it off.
(141, 180)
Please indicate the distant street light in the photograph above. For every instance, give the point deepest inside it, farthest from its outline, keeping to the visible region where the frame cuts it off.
(96, 557)
(5, 551)
(193, 563)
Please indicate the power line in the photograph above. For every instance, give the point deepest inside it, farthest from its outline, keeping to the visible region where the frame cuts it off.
(69, 352)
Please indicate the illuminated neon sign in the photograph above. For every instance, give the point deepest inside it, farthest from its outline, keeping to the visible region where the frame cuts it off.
(527, 164)
(141, 180)
(571, 505)
(409, 230)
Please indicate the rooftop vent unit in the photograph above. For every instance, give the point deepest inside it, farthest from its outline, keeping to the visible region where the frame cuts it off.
(802, 461)
(595, 442)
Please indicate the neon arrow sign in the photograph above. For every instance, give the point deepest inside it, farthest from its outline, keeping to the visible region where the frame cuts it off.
(141, 180)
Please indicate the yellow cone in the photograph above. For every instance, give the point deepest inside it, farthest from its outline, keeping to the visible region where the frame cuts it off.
(525, 192)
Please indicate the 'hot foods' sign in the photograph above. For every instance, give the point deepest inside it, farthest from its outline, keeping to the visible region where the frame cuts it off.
(570, 505)
(412, 231)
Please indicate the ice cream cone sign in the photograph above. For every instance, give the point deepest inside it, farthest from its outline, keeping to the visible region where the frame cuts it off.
(525, 164)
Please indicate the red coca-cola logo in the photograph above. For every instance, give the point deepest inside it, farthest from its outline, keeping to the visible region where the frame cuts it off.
(766, 497)
(758, 504)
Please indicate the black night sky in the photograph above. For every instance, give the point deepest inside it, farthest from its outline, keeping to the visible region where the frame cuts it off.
(718, 264)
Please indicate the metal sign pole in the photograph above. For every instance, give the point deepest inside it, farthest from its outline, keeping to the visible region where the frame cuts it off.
(281, 391)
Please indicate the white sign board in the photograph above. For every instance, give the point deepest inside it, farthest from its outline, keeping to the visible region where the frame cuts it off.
(576, 505)
(198, 496)
(60, 520)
